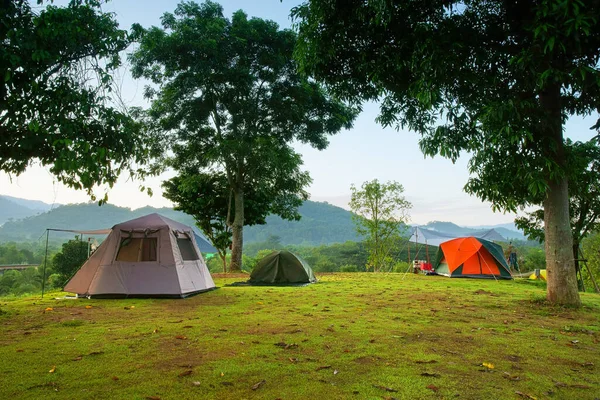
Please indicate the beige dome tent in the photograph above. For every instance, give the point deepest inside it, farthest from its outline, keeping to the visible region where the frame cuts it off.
(147, 256)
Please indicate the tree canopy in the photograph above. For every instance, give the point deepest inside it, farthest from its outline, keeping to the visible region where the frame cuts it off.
(493, 79)
(228, 94)
(584, 197)
(56, 104)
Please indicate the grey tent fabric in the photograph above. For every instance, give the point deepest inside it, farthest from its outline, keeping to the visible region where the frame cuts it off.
(435, 238)
(147, 256)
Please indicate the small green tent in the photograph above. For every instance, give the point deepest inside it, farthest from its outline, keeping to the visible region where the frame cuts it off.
(282, 267)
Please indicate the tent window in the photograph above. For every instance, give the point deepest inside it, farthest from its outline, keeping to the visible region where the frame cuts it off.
(186, 248)
(137, 250)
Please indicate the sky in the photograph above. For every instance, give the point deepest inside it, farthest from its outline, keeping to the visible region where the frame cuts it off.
(434, 186)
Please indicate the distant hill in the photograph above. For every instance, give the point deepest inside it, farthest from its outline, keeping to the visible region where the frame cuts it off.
(12, 208)
(321, 223)
(449, 227)
(35, 205)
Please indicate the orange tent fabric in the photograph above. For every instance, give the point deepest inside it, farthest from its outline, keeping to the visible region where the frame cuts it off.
(468, 256)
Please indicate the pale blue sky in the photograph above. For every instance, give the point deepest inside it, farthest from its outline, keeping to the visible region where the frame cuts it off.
(366, 152)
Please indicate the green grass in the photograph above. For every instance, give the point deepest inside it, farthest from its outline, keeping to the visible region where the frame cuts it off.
(425, 337)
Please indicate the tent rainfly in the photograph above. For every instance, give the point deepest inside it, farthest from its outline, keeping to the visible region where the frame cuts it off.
(150, 256)
(281, 267)
(471, 257)
(435, 238)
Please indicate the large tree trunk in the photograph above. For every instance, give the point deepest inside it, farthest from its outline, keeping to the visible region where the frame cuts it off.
(237, 229)
(560, 265)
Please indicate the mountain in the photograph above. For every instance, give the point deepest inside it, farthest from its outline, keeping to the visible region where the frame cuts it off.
(321, 223)
(449, 227)
(13, 208)
(35, 205)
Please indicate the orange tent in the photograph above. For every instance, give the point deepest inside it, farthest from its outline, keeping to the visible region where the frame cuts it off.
(473, 258)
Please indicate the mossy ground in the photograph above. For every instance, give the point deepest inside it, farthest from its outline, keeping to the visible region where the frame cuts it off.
(350, 336)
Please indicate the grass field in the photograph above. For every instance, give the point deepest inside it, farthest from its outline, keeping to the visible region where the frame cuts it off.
(350, 336)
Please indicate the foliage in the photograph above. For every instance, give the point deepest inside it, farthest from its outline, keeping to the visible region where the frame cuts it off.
(380, 213)
(534, 259)
(495, 79)
(21, 282)
(55, 94)
(584, 196)
(591, 252)
(229, 95)
(70, 258)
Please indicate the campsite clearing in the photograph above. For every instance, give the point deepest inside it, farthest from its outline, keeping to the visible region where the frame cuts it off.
(357, 335)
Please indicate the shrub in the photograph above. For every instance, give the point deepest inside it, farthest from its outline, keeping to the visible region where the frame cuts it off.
(348, 268)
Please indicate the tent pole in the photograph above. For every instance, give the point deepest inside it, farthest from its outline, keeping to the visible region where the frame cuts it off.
(45, 261)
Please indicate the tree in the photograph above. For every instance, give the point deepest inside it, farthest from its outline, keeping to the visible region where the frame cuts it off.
(495, 79)
(228, 94)
(208, 199)
(55, 95)
(70, 258)
(380, 211)
(584, 197)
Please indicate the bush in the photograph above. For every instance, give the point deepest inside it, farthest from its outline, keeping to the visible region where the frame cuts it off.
(348, 268)
(402, 267)
(25, 288)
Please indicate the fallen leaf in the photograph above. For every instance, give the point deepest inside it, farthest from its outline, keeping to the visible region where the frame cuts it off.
(196, 383)
(258, 384)
(181, 337)
(187, 326)
(560, 384)
(95, 353)
(78, 358)
(335, 372)
(525, 395)
(323, 367)
(293, 359)
(49, 309)
(511, 377)
(372, 341)
(433, 387)
(186, 373)
(260, 303)
(488, 365)
(430, 374)
(387, 389)
(155, 331)
(128, 308)
(20, 350)
(88, 307)
(115, 378)
(53, 369)
(222, 374)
